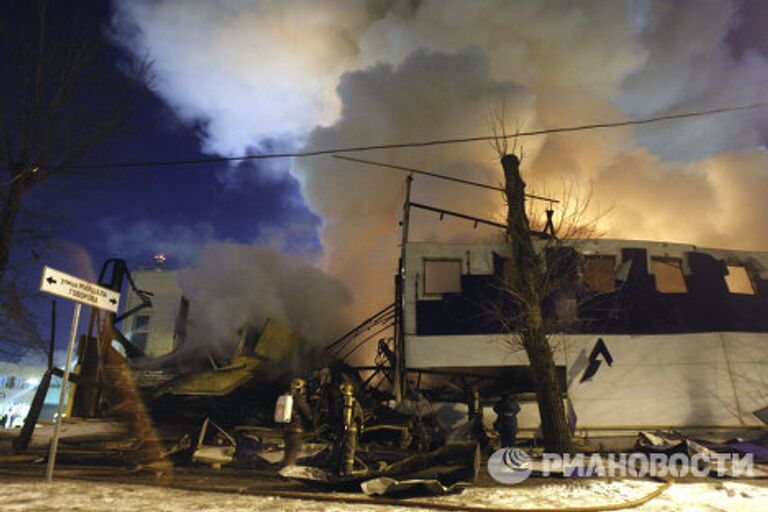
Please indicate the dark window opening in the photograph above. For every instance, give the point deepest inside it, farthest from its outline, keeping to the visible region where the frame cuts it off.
(140, 334)
(141, 323)
(442, 276)
(668, 274)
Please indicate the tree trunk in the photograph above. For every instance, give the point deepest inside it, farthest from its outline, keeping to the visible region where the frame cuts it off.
(554, 424)
(11, 208)
(525, 279)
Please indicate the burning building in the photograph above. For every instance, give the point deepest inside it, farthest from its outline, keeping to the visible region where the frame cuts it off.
(648, 334)
(160, 327)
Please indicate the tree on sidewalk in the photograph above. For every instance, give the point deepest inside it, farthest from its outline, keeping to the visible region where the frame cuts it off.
(524, 282)
(540, 286)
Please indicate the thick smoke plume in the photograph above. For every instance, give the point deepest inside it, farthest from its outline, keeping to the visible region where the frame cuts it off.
(233, 285)
(245, 71)
(330, 74)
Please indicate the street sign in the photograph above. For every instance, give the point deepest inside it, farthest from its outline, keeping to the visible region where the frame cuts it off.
(82, 292)
(79, 290)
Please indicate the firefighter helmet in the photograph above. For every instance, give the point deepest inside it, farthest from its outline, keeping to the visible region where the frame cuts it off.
(347, 388)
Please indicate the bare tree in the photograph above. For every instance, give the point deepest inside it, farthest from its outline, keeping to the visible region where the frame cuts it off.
(524, 283)
(61, 99)
(536, 273)
(18, 327)
(538, 293)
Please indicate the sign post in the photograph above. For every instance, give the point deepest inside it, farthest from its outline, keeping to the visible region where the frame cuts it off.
(63, 395)
(82, 292)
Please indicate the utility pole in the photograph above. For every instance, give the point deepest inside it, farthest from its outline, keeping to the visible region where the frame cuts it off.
(524, 279)
(400, 372)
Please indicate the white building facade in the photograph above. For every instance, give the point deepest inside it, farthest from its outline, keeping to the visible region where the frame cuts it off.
(656, 335)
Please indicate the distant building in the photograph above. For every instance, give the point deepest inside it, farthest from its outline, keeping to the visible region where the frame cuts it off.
(18, 383)
(160, 328)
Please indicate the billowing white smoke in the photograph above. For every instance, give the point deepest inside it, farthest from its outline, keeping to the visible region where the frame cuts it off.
(244, 70)
(233, 285)
(398, 71)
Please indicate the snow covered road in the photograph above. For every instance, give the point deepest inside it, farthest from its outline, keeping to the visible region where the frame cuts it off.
(71, 495)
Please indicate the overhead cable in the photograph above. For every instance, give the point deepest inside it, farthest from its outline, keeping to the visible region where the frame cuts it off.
(439, 176)
(416, 144)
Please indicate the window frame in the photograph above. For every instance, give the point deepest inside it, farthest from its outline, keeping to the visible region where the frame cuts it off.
(747, 273)
(426, 261)
(666, 260)
(147, 330)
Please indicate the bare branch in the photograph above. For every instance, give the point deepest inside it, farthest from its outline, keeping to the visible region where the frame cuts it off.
(63, 100)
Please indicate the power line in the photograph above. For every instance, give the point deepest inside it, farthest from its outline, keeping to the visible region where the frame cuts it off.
(361, 327)
(419, 171)
(439, 176)
(421, 144)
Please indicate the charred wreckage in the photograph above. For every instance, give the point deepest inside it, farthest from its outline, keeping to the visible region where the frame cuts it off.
(333, 425)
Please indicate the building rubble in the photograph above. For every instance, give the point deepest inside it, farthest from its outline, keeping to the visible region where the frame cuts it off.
(144, 412)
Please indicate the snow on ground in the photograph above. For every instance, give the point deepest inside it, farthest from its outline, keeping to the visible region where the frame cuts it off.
(72, 495)
(711, 495)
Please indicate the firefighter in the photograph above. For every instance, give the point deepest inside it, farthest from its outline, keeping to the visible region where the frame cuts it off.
(352, 424)
(301, 416)
(506, 411)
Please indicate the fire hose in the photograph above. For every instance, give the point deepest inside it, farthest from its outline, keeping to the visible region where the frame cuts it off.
(432, 505)
(389, 502)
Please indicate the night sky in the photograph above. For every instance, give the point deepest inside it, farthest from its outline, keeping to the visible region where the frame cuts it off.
(128, 213)
(134, 213)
